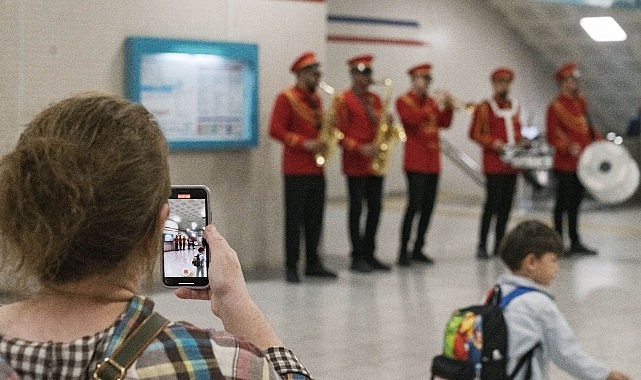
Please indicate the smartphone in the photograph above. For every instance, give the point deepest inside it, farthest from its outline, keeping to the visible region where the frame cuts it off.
(185, 253)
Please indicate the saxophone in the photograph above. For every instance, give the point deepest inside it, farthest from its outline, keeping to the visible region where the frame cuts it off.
(387, 134)
(328, 134)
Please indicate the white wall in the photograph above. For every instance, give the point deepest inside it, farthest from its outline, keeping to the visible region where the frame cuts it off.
(465, 43)
(52, 49)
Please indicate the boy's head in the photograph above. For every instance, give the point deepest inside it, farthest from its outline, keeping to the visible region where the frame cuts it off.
(529, 237)
(201, 249)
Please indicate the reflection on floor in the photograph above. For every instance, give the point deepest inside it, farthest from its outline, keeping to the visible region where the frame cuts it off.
(389, 325)
(178, 263)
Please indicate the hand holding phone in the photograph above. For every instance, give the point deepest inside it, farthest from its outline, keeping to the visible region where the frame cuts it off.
(185, 252)
(228, 285)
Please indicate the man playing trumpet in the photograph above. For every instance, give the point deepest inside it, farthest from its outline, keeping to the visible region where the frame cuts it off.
(295, 121)
(422, 119)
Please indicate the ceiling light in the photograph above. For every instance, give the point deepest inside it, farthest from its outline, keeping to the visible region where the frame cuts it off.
(603, 29)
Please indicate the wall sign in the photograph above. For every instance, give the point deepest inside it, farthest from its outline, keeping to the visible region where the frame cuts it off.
(203, 94)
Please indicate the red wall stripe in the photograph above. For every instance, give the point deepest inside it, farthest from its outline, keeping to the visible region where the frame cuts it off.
(374, 40)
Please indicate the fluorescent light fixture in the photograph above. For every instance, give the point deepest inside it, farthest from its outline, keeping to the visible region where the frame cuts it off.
(603, 29)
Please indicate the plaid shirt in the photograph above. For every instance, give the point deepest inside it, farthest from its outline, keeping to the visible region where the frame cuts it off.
(180, 351)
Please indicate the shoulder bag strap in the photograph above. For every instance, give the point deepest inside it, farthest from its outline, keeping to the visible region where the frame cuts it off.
(115, 367)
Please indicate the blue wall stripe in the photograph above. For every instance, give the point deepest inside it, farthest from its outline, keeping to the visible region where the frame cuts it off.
(373, 20)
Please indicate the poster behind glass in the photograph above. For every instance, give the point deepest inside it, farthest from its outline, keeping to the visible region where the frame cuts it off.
(203, 94)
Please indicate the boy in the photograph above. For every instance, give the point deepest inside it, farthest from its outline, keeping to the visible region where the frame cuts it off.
(531, 252)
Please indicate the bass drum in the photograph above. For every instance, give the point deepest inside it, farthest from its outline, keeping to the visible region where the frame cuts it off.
(608, 172)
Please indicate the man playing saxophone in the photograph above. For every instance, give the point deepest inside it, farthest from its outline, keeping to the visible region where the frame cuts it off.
(422, 119)
(358, 113)
(295, 121)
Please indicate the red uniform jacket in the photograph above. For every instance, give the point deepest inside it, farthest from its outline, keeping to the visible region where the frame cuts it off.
(487, 128)
(567, 123)
(296, 118)
(422, 119)
(353, 120)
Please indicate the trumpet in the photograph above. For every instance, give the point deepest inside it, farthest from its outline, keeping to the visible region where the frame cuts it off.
(443, 98)
(387, 133)
(328, 134)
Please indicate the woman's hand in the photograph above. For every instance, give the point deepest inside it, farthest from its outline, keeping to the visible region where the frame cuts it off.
(229, 297)
(226, 280)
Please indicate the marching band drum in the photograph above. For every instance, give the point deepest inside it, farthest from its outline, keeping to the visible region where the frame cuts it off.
(608, 172)
(532, 155)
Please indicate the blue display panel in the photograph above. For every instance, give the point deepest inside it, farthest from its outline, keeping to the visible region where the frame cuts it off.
(204, 94)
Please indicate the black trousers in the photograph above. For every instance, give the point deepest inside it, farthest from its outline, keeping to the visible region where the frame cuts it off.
(421, 188)
(499, 195)
(368, 190)
(569, 194)
(304, 208)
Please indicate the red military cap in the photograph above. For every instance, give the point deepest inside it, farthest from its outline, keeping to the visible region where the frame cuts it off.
(361, 63)
(570, 69)
(503, 73)
(305, 60)
(421, 70)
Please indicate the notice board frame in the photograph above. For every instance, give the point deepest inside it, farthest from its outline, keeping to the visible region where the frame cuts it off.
(204, 94)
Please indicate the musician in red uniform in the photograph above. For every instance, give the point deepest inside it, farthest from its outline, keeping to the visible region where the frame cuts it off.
(422, 118)
(358, 112)
(496, 127)
(295, 121)
(569, 132)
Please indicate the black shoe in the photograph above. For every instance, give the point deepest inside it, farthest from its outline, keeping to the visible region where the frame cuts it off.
(578, 248)
(361, 266)
(481, 253)
(319, 271)
(377, 265)
(292, 276)
(404, 259)
(421, 258)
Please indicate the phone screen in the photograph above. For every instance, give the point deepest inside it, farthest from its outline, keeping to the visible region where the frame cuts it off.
(185, 252)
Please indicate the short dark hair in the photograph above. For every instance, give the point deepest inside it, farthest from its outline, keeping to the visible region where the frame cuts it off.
(364, 71)
(530, 236)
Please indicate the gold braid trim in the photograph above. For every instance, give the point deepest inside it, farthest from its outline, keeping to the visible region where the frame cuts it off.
(291, 139)
(429, 126)
(302, 109)
(578, 124)
(481, 128)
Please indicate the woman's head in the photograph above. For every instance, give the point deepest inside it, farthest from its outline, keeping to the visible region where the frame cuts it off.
(82, 191)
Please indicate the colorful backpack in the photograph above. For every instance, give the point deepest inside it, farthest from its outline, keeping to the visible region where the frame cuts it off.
(475, 342)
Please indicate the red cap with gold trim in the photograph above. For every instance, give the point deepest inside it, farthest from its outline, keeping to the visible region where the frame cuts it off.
(570, 69)
(361, 63)
(305, 60)
(420, 70)
(503, 73)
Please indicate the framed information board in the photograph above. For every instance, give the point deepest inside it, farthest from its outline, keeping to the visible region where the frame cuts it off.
(203, 94)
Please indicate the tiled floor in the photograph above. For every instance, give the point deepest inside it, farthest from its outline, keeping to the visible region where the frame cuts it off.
(389, 325)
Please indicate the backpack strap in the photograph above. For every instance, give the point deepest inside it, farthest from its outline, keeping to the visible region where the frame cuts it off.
(515, 293)
(126, 353)
(526, 358)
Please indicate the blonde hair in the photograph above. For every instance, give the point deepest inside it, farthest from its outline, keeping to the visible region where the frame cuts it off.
(82, 191)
